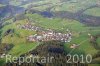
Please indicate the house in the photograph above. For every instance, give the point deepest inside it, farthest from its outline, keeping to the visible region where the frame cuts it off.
(73, 46)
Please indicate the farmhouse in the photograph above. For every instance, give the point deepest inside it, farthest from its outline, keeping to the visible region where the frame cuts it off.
(73, 46)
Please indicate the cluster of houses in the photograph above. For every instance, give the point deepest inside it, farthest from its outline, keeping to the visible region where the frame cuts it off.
(29, 26)
(46, 35)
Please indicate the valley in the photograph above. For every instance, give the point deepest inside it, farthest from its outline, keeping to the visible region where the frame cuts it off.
(55, 27)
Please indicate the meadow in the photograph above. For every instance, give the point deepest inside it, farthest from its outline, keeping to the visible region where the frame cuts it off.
(79, 30)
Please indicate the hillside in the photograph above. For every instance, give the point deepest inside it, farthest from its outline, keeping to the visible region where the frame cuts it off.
(58, 27)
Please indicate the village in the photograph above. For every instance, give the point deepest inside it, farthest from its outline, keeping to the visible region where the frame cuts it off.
(46, 35)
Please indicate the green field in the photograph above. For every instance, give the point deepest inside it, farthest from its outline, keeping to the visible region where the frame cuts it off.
(21, 46)
(60, 5)
(79, 30)
(56, 24)
(94, 11)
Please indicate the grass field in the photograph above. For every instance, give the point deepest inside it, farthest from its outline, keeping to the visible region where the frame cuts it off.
(79, 30)
(18, 39)
(56, 24)
(94, 11)
(61, 25)
(60, 5)
(98, 41)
